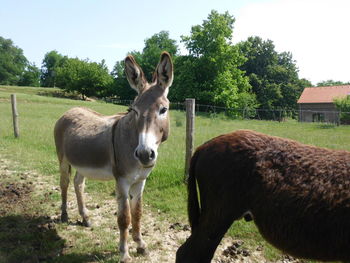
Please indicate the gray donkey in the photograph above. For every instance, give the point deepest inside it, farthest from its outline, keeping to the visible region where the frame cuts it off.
(122, 147)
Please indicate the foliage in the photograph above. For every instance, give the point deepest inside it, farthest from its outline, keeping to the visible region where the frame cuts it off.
(154, 46)
(120, 86)
(12, 62)
(210, 72)
(343, 105)
(331, 82)
(30, 76)
(50, 64)
(147, 59)
(84, 77)
(272, 75)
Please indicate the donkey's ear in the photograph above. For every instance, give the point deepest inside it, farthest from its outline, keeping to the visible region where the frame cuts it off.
(134, 74)
(165, 71)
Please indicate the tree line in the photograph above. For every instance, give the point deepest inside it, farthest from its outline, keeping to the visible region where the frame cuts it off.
(248, 75)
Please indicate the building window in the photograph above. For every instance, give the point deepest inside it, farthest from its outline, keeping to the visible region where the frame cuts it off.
(318, 117)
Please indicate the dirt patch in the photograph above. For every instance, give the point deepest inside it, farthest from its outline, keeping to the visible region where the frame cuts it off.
(24, 236)
(162, 237)
(13, 196)
(14, 190)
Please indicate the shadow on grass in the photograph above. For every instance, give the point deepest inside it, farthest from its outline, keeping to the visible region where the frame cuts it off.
(29, 239)
(81, 258)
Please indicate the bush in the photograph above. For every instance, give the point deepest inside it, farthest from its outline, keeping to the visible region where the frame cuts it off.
(343, 105)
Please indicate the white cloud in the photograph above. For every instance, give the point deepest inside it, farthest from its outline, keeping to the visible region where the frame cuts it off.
(315, 31)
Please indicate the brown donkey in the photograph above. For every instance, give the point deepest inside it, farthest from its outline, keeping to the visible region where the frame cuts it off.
(121, 147)
(297, 195)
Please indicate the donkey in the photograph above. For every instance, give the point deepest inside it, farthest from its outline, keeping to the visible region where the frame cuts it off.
(121, 147)
(297, 195)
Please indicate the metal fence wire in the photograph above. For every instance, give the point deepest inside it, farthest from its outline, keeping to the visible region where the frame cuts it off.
(335, 117)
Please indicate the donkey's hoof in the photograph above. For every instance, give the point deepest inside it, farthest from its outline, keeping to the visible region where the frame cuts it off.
(125, 259)
(87, 223)
(142, 251)
(64, 218)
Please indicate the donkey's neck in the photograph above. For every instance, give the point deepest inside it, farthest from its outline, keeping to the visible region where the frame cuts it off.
(125, 141)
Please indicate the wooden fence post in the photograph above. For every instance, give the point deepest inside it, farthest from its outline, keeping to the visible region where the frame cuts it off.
(15, 115)
(190, 114)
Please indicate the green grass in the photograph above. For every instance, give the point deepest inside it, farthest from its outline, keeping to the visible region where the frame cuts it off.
(164, 190)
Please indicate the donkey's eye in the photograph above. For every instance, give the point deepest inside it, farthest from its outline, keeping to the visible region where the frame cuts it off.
(163, 110)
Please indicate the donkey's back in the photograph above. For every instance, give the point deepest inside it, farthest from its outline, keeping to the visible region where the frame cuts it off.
(297, 195)
(81, 131)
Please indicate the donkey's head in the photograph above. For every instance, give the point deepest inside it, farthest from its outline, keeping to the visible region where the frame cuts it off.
(150, 107)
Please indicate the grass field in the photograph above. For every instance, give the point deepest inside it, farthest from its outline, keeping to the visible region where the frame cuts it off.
(165, 191)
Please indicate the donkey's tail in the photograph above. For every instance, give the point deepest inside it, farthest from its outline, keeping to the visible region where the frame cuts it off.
(193, 202)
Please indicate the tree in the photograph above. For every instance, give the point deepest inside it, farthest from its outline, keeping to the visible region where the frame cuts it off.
(12, 62)
(184, 84)
(120, 87)
(147, 59)
(50, 64)
(154, 46)
(272, 75)
(85, 77)
(331, 82)
(30, 76)
(211, 71)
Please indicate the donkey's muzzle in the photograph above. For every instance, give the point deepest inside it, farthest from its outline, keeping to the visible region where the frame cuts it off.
(146, 156)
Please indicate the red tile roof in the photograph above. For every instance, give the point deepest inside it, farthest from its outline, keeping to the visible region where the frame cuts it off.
(323, 94)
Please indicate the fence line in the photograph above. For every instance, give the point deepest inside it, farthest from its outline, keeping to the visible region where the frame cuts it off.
(190, 117)
(338, 117)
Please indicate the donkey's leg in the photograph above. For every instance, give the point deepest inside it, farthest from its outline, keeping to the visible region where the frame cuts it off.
(124, 219)
(79, 185)
(136, 213)
(65, 171)
(201, 245)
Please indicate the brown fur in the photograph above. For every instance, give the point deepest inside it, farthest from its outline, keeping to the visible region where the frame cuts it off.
(298, 195)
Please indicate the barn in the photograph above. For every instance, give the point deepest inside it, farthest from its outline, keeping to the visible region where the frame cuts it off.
(316, 104)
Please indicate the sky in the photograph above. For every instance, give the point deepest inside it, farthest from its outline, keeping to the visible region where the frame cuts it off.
(316, 32)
